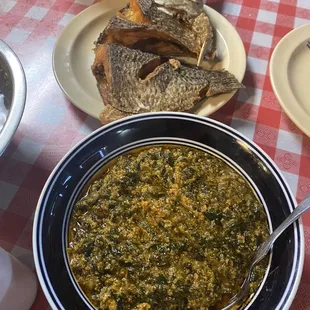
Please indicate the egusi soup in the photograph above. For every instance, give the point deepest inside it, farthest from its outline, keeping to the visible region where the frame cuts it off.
(167, 227)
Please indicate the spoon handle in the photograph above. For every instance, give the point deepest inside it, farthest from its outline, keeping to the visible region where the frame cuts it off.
(297, 212)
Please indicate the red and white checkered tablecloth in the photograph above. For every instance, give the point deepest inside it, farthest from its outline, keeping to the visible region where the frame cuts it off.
(51, 125)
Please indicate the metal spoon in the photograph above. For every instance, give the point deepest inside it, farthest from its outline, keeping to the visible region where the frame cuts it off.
(264, 248)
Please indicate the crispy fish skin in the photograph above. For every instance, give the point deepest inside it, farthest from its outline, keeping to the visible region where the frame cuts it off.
(142, 20)
(145, 38)
(135, 82)
(110, 114)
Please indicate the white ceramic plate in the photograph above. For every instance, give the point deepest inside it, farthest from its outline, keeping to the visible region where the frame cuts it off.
(73, 56)
(290, 73)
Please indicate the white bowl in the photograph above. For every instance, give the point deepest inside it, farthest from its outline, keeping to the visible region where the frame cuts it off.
(13, 87)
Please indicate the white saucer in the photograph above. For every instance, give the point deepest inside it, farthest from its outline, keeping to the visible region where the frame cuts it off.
(290, 76)
(73, 56)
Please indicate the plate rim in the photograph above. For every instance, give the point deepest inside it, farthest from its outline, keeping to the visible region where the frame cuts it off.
(242, 59)
(278, 76)
(298, 226)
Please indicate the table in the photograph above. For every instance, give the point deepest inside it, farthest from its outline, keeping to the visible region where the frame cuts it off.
(51, 125)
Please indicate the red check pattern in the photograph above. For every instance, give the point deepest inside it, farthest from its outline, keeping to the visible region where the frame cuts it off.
(51, 125)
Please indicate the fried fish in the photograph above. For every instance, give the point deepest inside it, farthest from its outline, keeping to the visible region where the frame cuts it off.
(131, 81)
(144, 25)
(110, 114)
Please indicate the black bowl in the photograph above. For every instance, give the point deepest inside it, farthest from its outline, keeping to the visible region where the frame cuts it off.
(81, 163)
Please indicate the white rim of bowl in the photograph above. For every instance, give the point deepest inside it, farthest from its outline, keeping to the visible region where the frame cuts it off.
(19, 95)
